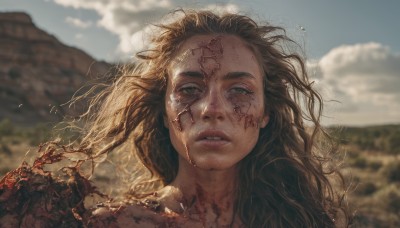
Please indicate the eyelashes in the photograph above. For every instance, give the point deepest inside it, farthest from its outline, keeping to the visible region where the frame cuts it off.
(193, 89)
(241, 91)
(190, 89)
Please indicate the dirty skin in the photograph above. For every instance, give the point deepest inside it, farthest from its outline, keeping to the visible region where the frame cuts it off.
(209, 62)
(194, 211)
(211, 52)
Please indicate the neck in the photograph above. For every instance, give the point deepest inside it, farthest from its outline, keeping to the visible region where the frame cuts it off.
(204, 195)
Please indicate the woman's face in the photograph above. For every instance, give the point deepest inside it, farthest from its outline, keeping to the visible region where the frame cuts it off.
(214, 101)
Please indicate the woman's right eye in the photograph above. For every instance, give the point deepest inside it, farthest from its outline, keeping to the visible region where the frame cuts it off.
(190, 89)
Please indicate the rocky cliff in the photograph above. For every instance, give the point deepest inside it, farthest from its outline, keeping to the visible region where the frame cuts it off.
(38, 73)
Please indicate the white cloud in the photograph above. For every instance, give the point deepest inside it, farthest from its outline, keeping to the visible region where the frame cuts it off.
(365, 78)
(76, 22)
(79, 36)
(130, 19)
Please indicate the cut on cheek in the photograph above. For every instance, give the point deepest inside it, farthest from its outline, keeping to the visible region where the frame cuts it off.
(188, 156)
(177, 121)
(209, 62)
(242, 105)
(249, 120)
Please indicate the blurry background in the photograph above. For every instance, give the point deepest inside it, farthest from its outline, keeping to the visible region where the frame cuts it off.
(51, 48)
(353, 47)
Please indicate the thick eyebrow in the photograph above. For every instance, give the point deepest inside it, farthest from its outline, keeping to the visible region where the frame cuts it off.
(193, 74)
(239, 74)
(228, 76)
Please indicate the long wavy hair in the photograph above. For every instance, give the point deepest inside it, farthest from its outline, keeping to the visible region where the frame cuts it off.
(284, 182)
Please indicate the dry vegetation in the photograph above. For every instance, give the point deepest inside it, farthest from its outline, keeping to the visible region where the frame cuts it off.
(372, 166)
(372, 170)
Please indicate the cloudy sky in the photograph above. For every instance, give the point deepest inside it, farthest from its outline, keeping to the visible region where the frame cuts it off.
(353, 47)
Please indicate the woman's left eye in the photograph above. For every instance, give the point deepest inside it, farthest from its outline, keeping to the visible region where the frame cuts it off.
(240, 90)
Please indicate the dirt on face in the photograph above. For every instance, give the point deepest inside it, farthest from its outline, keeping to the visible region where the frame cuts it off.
(210, 54)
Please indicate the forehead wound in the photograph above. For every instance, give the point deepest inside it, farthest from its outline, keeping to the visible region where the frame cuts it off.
(210, 54)
(205, 49)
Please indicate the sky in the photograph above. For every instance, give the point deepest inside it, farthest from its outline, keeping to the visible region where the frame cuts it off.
(352, 47)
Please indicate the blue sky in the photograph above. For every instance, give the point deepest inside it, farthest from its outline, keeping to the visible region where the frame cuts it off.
(353, 46)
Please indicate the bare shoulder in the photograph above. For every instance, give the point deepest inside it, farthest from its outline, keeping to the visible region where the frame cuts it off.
(134, 215)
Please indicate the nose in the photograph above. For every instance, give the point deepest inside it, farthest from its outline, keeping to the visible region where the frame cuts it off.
(213, 106)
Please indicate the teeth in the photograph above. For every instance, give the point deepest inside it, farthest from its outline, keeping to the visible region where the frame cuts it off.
(213, 138)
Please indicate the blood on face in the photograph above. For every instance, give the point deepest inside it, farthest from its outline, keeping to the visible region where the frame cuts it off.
(210, 54)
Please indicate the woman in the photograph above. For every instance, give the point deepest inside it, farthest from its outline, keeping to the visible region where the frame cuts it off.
(213, 113)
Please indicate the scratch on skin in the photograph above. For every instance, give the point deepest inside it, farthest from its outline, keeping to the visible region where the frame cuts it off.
(187, 109)
(188, 156)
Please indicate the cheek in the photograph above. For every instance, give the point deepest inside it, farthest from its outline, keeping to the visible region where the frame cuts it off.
(177, 106)
(246, 108)
(178, 136)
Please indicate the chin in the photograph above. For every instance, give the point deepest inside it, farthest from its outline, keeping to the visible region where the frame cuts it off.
(214, 164)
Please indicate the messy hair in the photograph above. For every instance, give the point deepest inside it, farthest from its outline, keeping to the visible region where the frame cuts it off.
(286, 180)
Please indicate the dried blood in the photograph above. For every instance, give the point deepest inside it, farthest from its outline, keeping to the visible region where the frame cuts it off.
(188, 156)
(32, 196)
(187, 109)
(211, 51)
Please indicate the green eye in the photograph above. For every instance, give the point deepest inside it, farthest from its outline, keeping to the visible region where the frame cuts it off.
(190, 89)
(240, 90)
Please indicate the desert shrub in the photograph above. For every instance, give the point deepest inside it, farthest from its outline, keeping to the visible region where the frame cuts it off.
(359, 162)
(4, 149)
(67, 72)
(39, 134)
(389, 198)
(375, 165)
(36, 134)
(394, 202)
(15, 141)
(352, 154)
(366, 189)
(392, 171)
(385, 138)
(363, 141)
(393, 143)
(6, 127)
(366, 220)
(14, 73)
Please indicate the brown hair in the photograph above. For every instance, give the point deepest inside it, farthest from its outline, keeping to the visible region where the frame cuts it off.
(283, 182)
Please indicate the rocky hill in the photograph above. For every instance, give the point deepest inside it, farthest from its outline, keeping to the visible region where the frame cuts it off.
(38, 73)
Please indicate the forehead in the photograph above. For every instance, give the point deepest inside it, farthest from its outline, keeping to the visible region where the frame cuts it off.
(236, 54)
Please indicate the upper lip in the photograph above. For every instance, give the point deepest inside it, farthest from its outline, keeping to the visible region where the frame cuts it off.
(212, 133)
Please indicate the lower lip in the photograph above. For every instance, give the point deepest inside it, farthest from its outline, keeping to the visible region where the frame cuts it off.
(212, 144)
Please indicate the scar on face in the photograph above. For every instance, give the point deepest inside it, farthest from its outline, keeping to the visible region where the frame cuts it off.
(188, 156)
(249, 119)
(211, 51)
(188, 110)
(210, 54)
